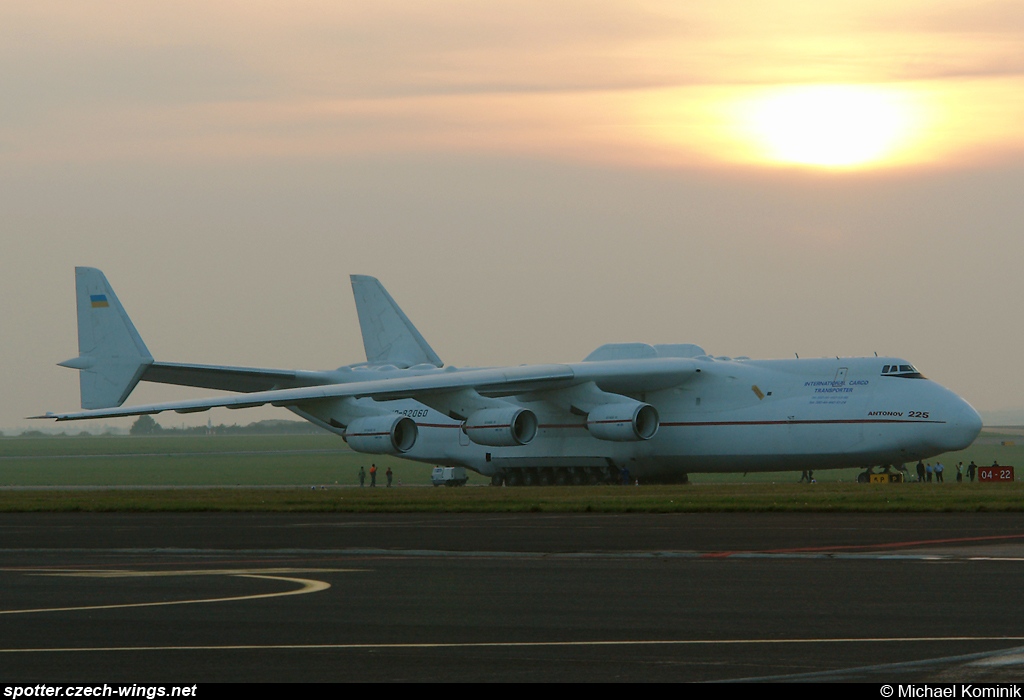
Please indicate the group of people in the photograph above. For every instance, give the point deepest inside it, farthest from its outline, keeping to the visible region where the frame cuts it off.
(373, 476)
(928, 472)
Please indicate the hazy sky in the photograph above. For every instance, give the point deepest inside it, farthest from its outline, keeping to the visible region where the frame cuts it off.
(529, 180)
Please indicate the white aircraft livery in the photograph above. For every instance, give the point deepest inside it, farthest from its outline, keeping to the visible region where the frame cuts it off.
(629, 410)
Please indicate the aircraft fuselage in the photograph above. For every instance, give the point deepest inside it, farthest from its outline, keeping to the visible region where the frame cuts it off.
(732, 416)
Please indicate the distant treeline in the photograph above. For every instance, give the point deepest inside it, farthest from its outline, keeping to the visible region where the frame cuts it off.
(146, 425)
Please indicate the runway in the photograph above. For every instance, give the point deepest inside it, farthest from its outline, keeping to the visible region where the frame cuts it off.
(510, 597)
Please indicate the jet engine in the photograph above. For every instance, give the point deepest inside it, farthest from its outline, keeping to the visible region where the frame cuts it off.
(501, 427)
(383, 435)
(623, 422)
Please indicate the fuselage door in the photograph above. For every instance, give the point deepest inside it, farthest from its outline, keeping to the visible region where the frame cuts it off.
(841, 375)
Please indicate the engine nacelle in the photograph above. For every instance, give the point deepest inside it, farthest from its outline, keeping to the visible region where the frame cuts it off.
(501, 427)
(623, 422)
(382, 435)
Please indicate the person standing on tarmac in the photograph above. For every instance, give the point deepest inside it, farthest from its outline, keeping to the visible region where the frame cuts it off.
(362, 476)
(373, 475)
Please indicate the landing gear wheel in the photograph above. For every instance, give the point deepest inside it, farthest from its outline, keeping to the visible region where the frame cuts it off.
(498, 479)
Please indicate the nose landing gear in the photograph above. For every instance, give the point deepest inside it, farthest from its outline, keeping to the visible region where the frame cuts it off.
(887, 475)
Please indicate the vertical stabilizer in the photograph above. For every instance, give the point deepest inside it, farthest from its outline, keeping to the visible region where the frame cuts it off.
(388, 335)
(111, 355)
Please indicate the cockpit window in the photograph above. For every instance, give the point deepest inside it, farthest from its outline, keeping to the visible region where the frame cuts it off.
(904, 371)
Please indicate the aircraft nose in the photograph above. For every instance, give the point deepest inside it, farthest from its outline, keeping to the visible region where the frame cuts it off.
(963, 426)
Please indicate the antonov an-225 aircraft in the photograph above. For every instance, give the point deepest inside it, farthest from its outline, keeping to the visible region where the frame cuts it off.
(660, 411)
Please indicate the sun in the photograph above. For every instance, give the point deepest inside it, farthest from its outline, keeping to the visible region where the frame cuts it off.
(827, 126)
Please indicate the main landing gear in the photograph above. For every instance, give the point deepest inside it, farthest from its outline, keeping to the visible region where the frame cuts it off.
(559, 476)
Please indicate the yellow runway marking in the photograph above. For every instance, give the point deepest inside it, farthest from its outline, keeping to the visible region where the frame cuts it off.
(466, 645)
(305, 585)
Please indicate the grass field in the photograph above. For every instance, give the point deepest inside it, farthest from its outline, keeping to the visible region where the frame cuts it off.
(249, 460)
(277, 473)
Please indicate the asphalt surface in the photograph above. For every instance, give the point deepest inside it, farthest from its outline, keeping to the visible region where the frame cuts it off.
(511, 597)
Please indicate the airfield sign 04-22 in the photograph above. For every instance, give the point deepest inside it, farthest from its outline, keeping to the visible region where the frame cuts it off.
(995, 473)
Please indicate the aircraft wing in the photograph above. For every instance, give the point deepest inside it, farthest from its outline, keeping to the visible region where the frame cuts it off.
(241, 379)
(618, 376)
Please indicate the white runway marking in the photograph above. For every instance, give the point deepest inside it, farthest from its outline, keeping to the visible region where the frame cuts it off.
(469, 645)
(305, 585)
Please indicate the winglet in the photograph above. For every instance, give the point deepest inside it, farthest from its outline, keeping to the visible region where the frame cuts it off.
(111, 355)
(388, 335)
